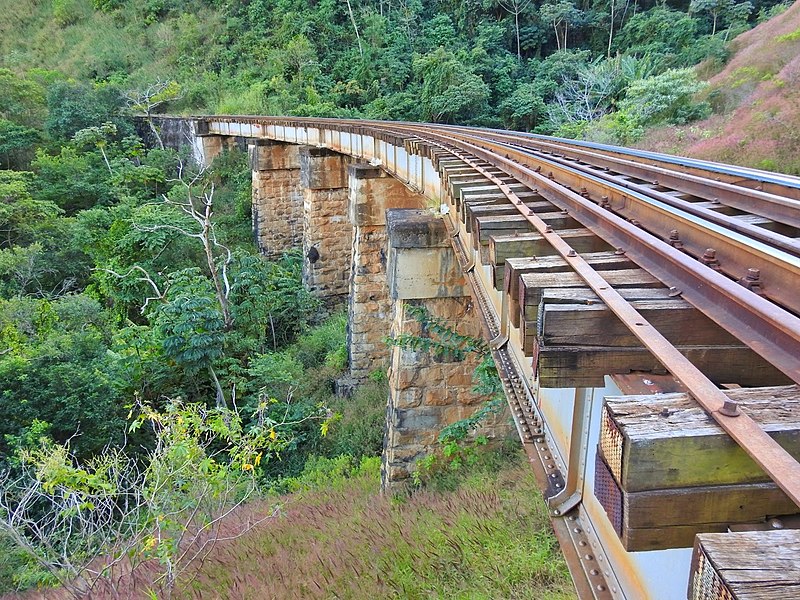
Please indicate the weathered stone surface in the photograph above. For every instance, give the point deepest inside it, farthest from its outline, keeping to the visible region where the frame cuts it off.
(268, 155)
(427, 392)
(421, 262)
(323, 169)
(328, 234)
(371, 192)
(277, 198)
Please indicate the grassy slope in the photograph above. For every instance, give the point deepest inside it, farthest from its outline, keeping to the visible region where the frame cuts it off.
(757, 101)
(489, 539)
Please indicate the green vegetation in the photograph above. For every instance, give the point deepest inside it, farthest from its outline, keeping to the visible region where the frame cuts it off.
(487, 538)
(546, 66)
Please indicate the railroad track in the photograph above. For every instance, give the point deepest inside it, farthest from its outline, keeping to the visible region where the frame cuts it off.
(639, 234)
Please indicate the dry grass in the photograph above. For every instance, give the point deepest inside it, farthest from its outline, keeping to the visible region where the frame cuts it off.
(491, 538)
(757, 100)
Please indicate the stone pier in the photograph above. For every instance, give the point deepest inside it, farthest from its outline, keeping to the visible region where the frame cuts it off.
(277, 196)
(372, 191)
(328, 234)
(426, 390)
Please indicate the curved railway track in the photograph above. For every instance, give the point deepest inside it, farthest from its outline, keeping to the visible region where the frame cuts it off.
(724, 239)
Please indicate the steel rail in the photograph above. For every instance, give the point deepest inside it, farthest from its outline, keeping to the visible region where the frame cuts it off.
(776, 183)
(781, 467)
(769, 205)
(694, 232)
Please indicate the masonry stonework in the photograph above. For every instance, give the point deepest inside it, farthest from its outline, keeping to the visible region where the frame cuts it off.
(426, 391)
(372, 191)
(277, 197)
(328, 234)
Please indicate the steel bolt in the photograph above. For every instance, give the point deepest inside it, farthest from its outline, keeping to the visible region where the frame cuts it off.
(674, 292)
(709, 258)
(675, 239)
(729, 409)
(776, 523)
(548, 229)
(752, 281)
(594, 572)
(572, 253)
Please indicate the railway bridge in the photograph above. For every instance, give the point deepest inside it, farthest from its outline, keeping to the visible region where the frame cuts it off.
(641, 310)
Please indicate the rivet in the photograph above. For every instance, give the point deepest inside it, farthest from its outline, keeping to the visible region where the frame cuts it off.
(553, 475)
(556, 512)
(601, 588)
(572, 253)
(588, 557)
(594, 572)
(581, 543)
(776, 523)
(674, 292)
(619, 252)
(577, 530)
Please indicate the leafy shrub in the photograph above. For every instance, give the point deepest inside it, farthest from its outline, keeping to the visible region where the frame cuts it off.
(359, 429)
(66, 12)
(665, 98)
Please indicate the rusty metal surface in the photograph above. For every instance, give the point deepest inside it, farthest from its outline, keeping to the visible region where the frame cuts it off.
(783, 208)
(608, 493)
(611, 444)
(704, 582)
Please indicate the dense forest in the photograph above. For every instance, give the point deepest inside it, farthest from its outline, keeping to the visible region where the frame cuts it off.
(135, 311)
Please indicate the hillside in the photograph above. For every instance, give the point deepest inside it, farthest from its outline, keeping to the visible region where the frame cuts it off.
(756, 98)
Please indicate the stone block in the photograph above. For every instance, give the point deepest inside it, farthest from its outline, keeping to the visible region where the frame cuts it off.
(268, 155)
(417, 418)
(372, 192)
(322, 169)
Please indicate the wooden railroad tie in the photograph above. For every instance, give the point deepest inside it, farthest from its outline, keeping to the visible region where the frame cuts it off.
(753, 565)
(666, 471)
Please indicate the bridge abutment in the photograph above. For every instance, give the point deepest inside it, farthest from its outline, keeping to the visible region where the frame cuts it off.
(372, 191)
(427, 390)
(277, 196)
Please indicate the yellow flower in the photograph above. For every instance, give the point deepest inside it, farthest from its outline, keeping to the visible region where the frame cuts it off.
(272, 434)
(247, 467)
(258, 458)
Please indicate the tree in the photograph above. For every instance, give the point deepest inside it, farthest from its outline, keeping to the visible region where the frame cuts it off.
(561, 14)
(20, 214)
(664, 98)
(515, 7)
(146, 100)
(450, 91)
(15, 142)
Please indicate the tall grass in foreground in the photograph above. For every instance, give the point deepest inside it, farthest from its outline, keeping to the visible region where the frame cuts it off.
(490, 538)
